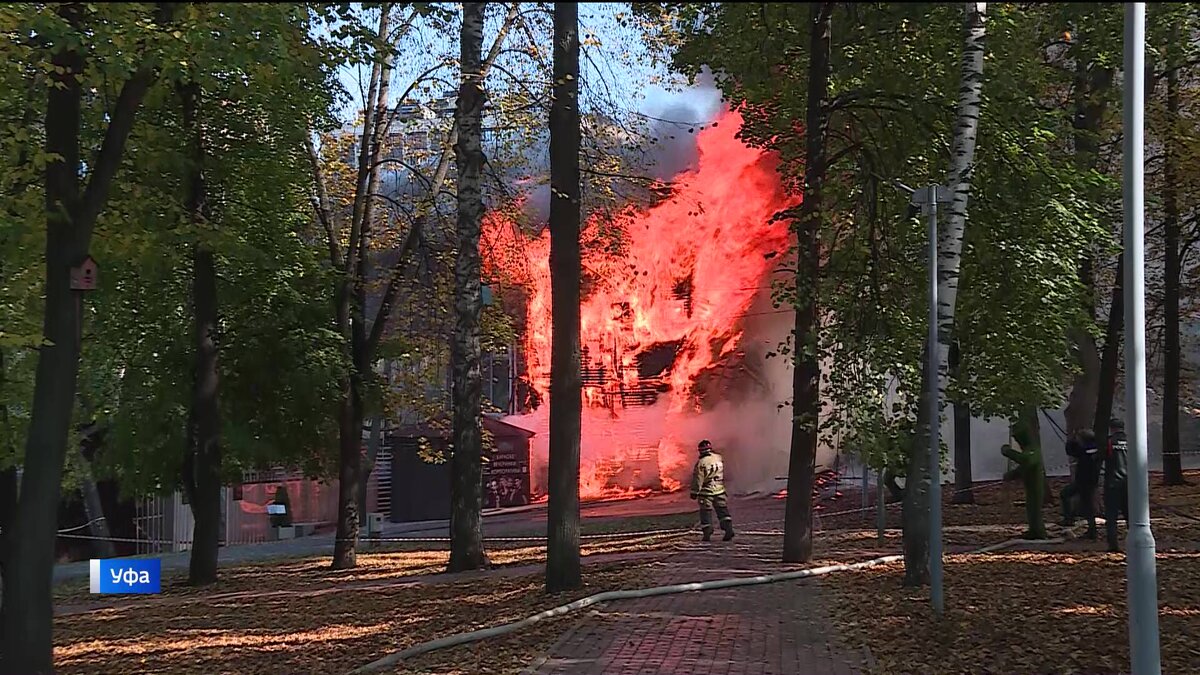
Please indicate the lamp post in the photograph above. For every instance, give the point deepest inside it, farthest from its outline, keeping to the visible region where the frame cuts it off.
(1139, 545)
(928, 199)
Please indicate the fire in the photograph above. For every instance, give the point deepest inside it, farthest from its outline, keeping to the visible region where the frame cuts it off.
(664, 290)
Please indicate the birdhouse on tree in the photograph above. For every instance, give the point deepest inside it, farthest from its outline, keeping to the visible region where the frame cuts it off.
(85, 275)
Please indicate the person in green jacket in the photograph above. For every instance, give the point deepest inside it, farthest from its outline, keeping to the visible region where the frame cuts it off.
(708, 488)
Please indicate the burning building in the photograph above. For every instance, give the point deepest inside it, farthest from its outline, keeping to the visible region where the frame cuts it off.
(669, 291)
(677, 321)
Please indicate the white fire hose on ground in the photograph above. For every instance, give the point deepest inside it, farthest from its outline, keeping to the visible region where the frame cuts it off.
(474, 636)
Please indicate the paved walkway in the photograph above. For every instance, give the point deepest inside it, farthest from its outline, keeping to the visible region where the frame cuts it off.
(769, 629)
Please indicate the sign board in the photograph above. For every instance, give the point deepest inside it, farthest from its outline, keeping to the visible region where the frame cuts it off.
(506, 475)
(276, 509)
(125, 575)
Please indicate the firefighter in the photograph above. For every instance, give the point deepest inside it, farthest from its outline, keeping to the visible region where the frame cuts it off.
(1082, 447)
(708, 488)
(1116, 490)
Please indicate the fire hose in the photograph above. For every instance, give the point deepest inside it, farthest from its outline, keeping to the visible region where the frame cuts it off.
(625, 594)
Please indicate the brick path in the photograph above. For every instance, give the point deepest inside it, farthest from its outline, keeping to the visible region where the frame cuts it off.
(770, 629)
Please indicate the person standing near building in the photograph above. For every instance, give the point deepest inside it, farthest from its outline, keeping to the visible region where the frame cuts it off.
(1116, 487)
(708, 489)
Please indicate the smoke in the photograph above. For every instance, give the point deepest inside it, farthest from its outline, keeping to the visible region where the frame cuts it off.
(753, 431)
(675, 123)
(671, 121)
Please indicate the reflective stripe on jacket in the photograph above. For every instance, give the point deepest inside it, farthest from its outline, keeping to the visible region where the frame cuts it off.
(708, 477)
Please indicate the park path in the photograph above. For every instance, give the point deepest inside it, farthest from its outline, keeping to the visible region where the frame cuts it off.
(769, 629)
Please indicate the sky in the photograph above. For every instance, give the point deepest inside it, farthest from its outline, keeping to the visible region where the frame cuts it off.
(621, 65)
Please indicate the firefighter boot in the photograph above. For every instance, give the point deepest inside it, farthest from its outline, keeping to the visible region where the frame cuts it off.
(728, 527)
(708, 531)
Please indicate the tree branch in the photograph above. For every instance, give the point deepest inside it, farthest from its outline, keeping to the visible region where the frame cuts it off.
(435, 186)
(321, 203)
(108, 159)
(366, 158)
(393, 287)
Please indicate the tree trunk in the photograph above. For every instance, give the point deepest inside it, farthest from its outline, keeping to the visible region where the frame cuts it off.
(351, 302)
(562, 527)
(8, 510)
(806, 405)
(1109, 360)
(963, 481)
(915, 515)
(466, 493)
(1091, 101)
(71, 214)
(8, 514)
(962, 154)
(1172, 457)
(8, 488)
(27, 630)
(1081, 402)
(350, 422)
(1035, 481)
(203, 476)
(102, 545)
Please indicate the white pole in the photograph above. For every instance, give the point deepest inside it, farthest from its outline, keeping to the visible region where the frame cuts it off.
(935, 463)
(1139, 546)
(880, 516)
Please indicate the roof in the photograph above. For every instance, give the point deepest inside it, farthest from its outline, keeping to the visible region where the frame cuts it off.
(493, 424)
(498, 426)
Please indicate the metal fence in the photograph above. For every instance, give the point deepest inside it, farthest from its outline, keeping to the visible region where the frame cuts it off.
(163, 523)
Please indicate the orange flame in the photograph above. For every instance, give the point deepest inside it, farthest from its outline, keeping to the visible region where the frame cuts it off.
(673, 278)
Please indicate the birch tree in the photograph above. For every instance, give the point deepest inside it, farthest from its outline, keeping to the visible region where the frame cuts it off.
(949, 247)
(353, 235)
(466, 493)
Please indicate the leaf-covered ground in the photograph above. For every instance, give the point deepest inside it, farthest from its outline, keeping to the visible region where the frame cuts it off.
(1054, 610)
(1017, 612)
(1049, 608)
(329, 631)
(381, 565)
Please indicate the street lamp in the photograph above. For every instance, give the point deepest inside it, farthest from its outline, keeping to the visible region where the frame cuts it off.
(1139, 545)
(927, 199)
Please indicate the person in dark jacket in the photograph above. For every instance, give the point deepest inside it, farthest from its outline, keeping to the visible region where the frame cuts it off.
(1116, 487)
(1081, 446)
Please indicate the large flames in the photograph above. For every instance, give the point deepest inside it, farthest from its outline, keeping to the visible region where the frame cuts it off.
(664, 291)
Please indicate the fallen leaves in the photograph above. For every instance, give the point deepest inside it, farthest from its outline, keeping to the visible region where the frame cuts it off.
(330, 632)
(1050, 608)
(383, 565)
